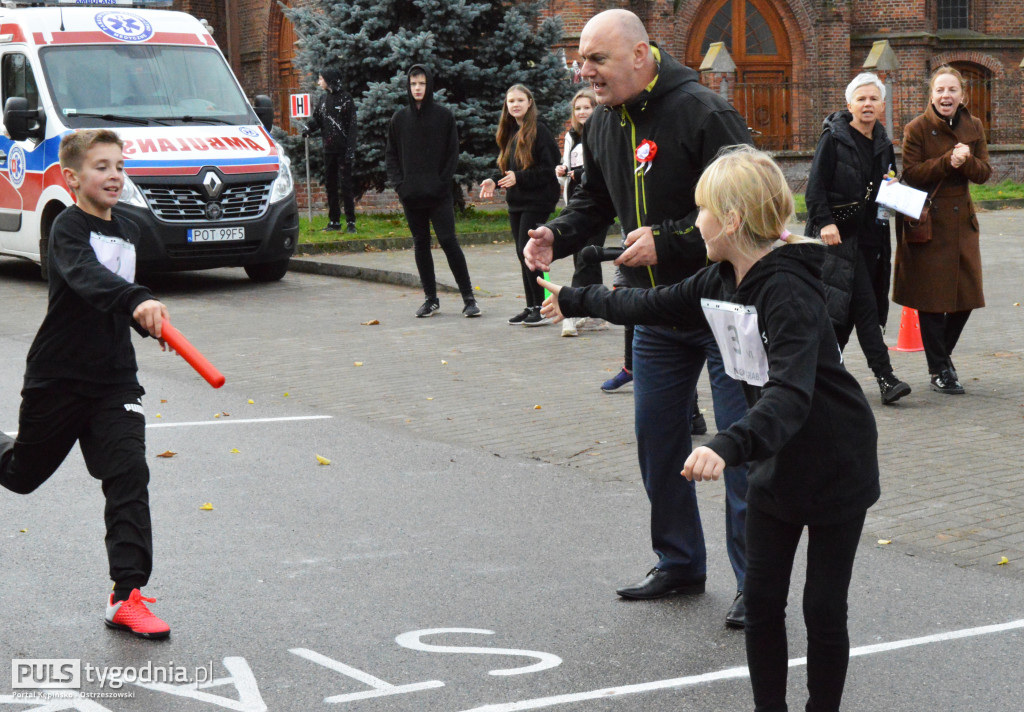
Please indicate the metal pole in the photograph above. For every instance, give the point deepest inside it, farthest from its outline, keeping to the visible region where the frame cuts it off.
(309, 191)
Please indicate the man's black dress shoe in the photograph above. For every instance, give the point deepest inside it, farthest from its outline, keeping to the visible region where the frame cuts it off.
(662, 583)
(737, 615)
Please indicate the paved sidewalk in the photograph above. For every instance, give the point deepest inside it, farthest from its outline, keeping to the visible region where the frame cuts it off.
(951, 466)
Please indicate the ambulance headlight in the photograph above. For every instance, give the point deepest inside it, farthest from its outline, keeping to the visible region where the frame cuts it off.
(131, 195)
(283, 185)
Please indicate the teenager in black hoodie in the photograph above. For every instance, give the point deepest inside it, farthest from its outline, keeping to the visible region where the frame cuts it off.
(335, 116)
(809, 434)
(422, 154)
(527, 159)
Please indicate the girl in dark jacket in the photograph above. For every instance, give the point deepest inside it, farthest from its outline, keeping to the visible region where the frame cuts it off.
(527, 159)
(809, 435)
(854, 155)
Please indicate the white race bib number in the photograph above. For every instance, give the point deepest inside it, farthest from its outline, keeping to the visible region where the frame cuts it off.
(738, 338)
(115, 254)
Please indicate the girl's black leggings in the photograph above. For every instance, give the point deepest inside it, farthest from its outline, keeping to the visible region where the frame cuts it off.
(522, 222)
(771, 547)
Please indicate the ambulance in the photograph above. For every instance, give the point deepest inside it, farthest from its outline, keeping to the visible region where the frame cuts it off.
(204, 180)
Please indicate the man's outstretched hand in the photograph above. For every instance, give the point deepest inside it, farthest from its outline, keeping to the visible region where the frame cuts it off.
(539, 252)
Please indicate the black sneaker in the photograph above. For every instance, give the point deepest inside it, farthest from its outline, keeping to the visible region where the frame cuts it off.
(892, 388)
(945, 381)
(535, 319)
(350, 229)
(698, 426)
(429, 307)
(332, 227)
(520, 317)
(471, 309)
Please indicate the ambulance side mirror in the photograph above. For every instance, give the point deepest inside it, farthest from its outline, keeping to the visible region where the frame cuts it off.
(22, 122)
(264, 108)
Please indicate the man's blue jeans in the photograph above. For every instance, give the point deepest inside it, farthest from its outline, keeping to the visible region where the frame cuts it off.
(666, 365)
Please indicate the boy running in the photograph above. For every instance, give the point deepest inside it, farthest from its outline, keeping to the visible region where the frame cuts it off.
(80, 378)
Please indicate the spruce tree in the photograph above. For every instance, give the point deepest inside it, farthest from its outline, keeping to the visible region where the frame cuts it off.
(475, 50)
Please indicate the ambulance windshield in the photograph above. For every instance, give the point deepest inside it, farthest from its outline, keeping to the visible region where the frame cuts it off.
(129, 85)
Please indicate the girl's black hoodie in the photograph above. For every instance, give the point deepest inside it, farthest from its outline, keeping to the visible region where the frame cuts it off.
(423, 149)
(536, 187)
(809, 435)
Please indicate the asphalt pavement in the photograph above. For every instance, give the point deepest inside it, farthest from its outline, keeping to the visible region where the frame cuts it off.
(481, 503)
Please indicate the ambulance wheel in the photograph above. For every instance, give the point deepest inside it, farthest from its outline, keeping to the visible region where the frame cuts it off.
(267, 271)
(44, 259)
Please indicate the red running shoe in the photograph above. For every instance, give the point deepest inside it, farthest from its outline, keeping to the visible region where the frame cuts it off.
(132, 615)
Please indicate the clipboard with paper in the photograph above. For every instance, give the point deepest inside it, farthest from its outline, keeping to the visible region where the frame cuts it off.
(902, 198)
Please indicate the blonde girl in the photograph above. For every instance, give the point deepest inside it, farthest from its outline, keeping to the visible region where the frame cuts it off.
(809, 433)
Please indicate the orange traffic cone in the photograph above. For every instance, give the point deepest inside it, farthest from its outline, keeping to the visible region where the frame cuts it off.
(910, 332)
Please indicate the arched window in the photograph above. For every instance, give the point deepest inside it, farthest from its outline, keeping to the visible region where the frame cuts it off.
(753, 32)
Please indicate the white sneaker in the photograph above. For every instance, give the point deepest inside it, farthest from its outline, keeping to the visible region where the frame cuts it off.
(569, 327)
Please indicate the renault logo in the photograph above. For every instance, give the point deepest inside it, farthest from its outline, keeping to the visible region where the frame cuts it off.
(212, 184)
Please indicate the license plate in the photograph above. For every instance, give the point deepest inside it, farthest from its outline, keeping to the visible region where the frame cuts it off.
(216, 234)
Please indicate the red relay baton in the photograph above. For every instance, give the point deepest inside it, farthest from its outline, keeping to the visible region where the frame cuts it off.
(190, 353)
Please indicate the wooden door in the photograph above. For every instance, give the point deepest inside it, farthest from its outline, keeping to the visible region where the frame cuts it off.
(978, 91)
(288, 77)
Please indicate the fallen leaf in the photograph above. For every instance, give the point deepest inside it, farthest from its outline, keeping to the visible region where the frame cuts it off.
(1003, 562)
(234, 450)
(216, 415)
(163, 400)
(286, 394)
(321, 460)
(206, 507)
(1016, 304)
(159, 416)
(24, 531)
(167, 453)
(371, 322)
(444, 363)
(429, 398)
(358, 363)
(884, 542)
(251, 401)
(536, 407)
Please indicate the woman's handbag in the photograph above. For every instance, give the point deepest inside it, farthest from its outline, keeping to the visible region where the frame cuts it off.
(919, 231)
(846, 212)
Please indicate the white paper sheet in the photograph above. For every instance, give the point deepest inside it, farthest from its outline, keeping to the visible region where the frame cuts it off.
(902, 198)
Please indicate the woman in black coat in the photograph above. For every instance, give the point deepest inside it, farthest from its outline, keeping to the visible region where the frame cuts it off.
(527, 159)
(853, 157)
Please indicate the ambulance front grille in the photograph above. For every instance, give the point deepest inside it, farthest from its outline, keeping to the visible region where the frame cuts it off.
(239, 201)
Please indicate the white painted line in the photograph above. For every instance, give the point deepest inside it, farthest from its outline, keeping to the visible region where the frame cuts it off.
(226, 421)
(736, 672)
(237, 421)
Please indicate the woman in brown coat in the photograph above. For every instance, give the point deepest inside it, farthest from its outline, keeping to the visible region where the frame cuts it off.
(942, 278)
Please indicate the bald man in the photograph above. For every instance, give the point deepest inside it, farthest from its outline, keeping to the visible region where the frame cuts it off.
(643, 152)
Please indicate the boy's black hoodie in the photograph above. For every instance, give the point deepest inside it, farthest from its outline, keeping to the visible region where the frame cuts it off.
(809, 435)
(86, 334)
(335, 115)
(423, 148)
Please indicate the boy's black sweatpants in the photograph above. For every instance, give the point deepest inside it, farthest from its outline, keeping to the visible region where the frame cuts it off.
(111, 432)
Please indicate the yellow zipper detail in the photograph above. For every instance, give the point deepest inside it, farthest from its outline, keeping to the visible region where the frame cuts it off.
(639, 189)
